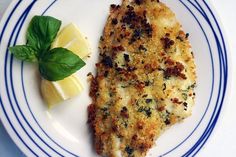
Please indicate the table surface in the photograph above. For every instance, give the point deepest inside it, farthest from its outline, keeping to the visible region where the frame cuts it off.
(221, 142)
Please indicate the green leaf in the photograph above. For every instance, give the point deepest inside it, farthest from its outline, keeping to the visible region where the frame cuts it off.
(59, 63)
(41, 32)
(23, 52)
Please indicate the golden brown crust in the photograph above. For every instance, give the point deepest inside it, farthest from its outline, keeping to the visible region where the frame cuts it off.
(145, 78)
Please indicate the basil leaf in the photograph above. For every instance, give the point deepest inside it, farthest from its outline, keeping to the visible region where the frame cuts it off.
(59, 63)
(41, 32)
(23, 52)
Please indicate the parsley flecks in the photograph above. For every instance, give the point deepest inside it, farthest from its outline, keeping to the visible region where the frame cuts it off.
(129, 150)
(145, 110)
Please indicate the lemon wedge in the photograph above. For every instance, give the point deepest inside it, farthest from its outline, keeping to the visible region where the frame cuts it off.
(58, 91)
(71, 38)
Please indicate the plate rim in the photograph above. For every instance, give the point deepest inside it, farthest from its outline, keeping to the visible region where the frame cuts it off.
(227, 51)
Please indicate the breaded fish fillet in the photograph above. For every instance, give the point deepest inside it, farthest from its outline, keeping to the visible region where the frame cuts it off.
(145, 78)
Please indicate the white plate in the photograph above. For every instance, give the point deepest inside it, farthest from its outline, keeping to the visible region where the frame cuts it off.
(63, 131)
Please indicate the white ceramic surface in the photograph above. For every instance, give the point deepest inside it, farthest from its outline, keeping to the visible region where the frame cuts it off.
(63, 130)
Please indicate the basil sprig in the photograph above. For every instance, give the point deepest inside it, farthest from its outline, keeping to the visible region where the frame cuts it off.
(54, 64)
(24, 52)
(59, 63)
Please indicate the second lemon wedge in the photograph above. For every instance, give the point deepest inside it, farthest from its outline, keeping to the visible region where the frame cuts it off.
(55, 92)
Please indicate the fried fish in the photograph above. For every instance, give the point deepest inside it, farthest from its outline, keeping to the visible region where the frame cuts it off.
(145, 78)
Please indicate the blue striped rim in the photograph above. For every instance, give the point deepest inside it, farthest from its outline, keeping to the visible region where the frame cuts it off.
(14, 91)
(19, 23)
(209, 124)
(11, 61)
(8, 19)
(1, 102)
(225, 68)
(27, 101)
(210, 128)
